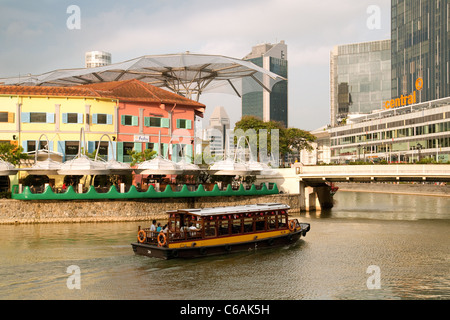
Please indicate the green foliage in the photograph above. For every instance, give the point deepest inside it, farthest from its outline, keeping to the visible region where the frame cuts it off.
(139, 157)
(12, 154)
(290, 139)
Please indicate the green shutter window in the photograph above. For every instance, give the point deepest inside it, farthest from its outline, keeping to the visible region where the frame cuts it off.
(94, 118)
(165, 122)
(120, 151)
(189, 158)
(138, 147)
(188, 124)
(64, 118)
(147, 121)
(156, 148)
(175, 153)
(134, 121)
(178, 123)
(122, 120)
(165, 150)
(109, 119)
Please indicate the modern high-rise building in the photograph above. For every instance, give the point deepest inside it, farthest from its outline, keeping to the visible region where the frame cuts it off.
(95, 59)
(420, 35)
(360, 78)
(218, 133)
(263, 104)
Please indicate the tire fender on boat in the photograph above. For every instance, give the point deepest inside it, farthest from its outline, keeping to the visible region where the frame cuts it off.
(292, 224)
(142, 236)
(162, 242)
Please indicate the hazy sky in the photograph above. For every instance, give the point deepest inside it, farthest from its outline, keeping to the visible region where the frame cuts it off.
(34, 38)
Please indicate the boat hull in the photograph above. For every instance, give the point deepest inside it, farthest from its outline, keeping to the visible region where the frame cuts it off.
(226, 248)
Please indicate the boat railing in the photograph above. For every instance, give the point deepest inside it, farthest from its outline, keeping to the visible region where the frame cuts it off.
(152, 236)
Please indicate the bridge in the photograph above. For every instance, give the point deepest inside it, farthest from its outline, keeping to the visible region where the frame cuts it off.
(313, 183)
(376, 173)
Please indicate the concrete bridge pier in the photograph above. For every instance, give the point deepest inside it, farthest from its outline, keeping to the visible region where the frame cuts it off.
(315, 197)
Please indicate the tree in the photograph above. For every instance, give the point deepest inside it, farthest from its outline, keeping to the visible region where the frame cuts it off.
(139, 157)
(298, 140)
(252, 127)
(12, 154)
(290, 140)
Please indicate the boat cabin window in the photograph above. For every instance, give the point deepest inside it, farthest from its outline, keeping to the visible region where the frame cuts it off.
(217, 225)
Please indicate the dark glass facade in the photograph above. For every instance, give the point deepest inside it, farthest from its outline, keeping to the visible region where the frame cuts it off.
(253, 101)
(420, 43)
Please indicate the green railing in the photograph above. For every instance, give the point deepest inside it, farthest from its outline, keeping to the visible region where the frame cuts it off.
(133, 193)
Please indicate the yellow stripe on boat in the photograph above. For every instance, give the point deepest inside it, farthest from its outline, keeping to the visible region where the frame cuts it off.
(229, 240)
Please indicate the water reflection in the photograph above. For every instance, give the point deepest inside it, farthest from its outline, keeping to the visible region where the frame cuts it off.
(407, 237)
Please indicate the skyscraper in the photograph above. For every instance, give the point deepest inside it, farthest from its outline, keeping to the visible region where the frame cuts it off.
(218, 133)
(269, 105)
(420, 35)
(360, 78)
(95, 59)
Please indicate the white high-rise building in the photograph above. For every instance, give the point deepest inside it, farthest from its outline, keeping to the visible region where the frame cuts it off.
(218, 132)
(95, 59)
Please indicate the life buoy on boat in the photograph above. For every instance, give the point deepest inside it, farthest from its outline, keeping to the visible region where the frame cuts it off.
(142, 236)
(162, 242)
(292, 224)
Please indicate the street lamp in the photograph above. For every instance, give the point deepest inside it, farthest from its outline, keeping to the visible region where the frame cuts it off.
(419, 147)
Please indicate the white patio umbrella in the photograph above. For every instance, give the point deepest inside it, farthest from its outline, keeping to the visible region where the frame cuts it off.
(113, 165)
(158, 165)
(7, 169)
(82, 165)
(45, 167)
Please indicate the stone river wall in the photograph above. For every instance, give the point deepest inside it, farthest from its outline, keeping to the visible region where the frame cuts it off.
(18, 211)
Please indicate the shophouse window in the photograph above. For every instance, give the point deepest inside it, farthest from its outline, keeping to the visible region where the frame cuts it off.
(157, 122)
(127, 147)
(71, 149)
(31, 146)
(3, 116)
(38, 117)
(101, 118)
(184, 124)
(127, 120)
(103, 150)
(72, 118)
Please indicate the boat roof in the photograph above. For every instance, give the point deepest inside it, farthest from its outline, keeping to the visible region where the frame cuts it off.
(232, 210)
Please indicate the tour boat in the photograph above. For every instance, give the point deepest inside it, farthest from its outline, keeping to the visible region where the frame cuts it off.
(192, 233)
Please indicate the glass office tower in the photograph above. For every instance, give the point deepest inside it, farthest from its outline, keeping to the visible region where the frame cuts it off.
(420, 35)
(360, 79)
(268, 105)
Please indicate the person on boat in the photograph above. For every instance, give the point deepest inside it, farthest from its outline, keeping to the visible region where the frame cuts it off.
(193, 230)
(165, 229)
(158, 228)
(153, 227)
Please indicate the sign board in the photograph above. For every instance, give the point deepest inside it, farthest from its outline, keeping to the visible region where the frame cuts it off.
(141, 138)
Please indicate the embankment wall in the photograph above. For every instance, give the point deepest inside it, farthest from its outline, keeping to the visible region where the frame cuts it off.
(17, 211)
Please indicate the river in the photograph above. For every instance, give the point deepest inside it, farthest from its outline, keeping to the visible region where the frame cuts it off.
(368, 247)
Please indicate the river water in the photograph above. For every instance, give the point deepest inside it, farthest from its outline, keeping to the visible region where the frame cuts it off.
(368, 247)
